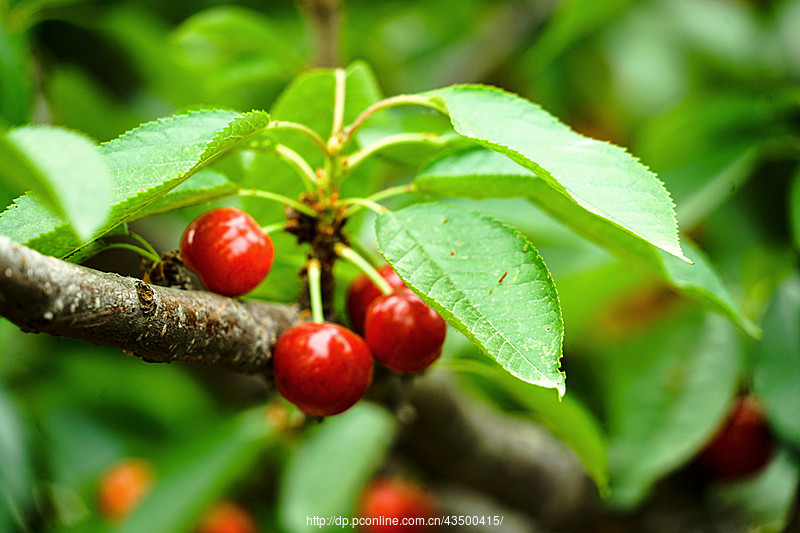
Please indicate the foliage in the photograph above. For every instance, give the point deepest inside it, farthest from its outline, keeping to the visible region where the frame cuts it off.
(555, 254)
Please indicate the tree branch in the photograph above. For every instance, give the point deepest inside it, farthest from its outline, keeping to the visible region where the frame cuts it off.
(47, 295)
(326, 22)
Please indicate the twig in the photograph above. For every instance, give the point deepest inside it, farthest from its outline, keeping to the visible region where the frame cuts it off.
(326, 18)
(47, 295)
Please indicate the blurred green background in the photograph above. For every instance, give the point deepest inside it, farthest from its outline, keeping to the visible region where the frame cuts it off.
(705, 92)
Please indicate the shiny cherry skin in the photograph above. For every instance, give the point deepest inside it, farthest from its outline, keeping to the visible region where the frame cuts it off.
(322, 368)
(743, 445)
(123, 486)
(362, 292)
(392, 498)
(227, 517)
(402, 332)
(228, 250)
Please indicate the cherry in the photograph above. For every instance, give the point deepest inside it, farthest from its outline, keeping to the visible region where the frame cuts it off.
(322, 368)
(742, 446)
(123, 486)
(227, 517)
(228, 250)
(388, 500)
(403, 332)
(361, 293)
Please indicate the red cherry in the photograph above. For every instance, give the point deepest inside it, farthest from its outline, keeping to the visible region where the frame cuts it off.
(743, 445)
(322, 368)
(228, 250)
(403, 332)
(227, 517)
(386, 501)
(361, 293)
(123, 486)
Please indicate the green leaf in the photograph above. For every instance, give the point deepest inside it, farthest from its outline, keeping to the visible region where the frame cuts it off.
(485, 279)
(309, 98)
(16, 487)
(326, 472)
(590, 174)
(65, 168)
(794, 209)
(668, 392)
(200, 474)
(16, 89)
(145, 164)
(479, 173)
(205, 186)
(573, 21)
(777, 361)
(566, 417)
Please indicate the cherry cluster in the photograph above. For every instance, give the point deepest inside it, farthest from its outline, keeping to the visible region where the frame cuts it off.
(321, 367)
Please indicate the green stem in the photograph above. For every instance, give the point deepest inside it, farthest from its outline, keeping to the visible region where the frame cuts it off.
(355, 159)
(358, 203)
(124, 246)
(296, 161)
(394, 101)
(294, 204)
(314, 271)
(271, 228)
(351, 256)
(305, 130)
(338, 110)
(141, 240)
(371, 202)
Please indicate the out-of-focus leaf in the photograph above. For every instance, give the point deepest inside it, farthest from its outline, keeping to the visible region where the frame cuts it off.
(573, 21)
(201, 473)
(777, 361)
(481, 276)
(566, 417)
(16, 487)
(668, 391)
(794, 210)
(65, 169)
(328, 469)
(16, 94)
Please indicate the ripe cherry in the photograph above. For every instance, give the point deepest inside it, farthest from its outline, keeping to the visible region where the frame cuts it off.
(322, 368)
(227, 517)
(742, 446)
(228, 250)
(361, 293)
(123, 486)
(403, 332)
(395, 505)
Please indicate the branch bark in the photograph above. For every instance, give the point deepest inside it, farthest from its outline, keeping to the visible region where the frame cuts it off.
(47, 295)
(326, 17)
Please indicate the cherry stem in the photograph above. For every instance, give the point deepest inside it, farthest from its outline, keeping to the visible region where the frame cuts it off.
(401, 99)
(298, 163)
(305, 130)
(358, 203)
(294, 204)
(371, 201)
(353, 257)
(141, 240)
(338, 110)
(144, 253)
(356, 158)
(314, 271)
(271, 228)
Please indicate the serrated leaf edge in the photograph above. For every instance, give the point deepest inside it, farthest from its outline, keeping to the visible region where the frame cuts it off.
(456, 322)
(550, 179)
